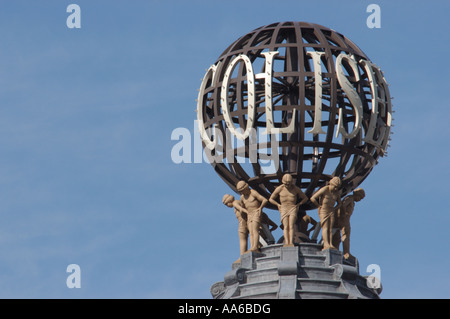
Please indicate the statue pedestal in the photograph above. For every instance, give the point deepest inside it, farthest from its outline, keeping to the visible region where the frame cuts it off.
(300, 272)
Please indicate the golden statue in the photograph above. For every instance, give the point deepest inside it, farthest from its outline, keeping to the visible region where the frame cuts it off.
(288, 206)
(301, 231)
(325, 199)
(342, 221)
(241, 215)
(253, 202)
(266, 228)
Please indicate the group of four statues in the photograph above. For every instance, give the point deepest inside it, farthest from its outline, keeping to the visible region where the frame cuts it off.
(334, 214)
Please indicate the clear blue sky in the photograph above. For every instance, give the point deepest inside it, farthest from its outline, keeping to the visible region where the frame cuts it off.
(86, 117)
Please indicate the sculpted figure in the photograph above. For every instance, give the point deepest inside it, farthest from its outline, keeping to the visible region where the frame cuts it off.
(301, 231)
(289, 195)
(343, 221)
(267, 227)
(241, 215)
(253, 202)
(325, 199)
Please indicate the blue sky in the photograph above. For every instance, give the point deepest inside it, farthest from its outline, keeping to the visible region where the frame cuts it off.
(86, 175)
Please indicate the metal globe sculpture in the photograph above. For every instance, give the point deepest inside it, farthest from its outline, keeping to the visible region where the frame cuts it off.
(298, 98)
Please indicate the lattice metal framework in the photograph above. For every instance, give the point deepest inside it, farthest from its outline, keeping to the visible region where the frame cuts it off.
(312, 159)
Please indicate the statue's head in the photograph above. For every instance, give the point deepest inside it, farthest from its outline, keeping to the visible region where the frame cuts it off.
(228, 200)
(287, 180)
(242, 187)
(335, 183)
(359, 194)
